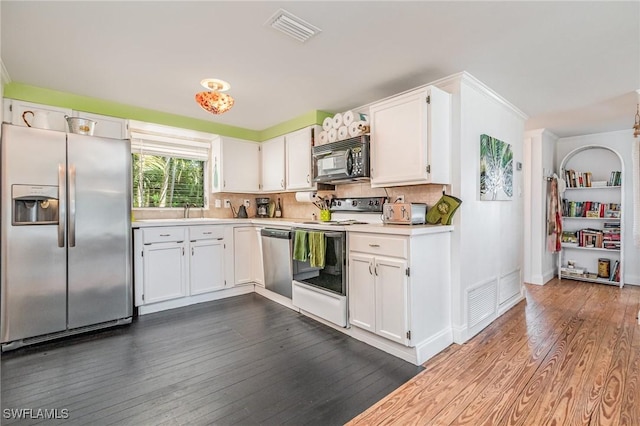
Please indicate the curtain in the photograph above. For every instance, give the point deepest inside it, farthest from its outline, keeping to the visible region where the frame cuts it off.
(554, 218)
(636, 192)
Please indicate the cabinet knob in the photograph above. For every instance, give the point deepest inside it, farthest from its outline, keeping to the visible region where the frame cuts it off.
(308, 179)
(374, 245)
(282, 183)
(370, 273)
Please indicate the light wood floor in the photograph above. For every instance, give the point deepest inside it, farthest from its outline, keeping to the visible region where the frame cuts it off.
(568, 355)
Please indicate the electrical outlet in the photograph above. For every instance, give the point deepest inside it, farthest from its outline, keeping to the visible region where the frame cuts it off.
(399, 198)
(227, 204)
(247, 203)
(218, 204)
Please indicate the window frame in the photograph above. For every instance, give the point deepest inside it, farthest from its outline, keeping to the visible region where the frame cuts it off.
(155, 139)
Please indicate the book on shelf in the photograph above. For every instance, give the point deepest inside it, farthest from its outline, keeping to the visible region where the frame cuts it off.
(614, 274)
(575, 179)
(615, 179)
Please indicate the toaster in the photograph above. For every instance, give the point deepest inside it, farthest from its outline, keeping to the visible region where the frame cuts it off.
(404, 213)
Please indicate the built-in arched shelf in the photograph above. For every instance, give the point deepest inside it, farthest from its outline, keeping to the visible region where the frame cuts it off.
(592, 211)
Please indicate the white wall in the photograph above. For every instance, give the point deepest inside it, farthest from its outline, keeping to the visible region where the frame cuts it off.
(539, 162)
(621, 142)
(487, 244)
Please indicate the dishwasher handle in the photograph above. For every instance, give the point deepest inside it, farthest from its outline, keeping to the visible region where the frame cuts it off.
(284, 234)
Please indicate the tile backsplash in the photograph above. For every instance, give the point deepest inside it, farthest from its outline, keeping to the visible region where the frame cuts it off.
(291, 208)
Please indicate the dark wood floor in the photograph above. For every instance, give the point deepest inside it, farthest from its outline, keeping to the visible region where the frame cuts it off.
(243, 360)
(568, 355)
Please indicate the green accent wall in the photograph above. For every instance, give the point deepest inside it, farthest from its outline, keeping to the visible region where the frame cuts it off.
(25, 92)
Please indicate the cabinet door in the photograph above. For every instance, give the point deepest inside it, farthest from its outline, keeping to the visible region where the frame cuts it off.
(273, 164)
(242, 259)
(240, 169)
(106, 127)
(206, 267)
(54, 115)
(164, 272)
(362, 292)
(298, 168)
(391, 299)
(256, 256)
(410, 139)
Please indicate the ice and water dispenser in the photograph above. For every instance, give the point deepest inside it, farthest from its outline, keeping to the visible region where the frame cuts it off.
(34, 204)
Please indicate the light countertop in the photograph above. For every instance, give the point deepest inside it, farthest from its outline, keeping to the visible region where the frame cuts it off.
(376, 228)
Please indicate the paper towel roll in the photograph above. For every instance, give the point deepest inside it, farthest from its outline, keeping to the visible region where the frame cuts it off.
(343, 133)
(358, 128)
(337, 121)
(333, 135)
(323, 137)
(327, 124)
(349, 117)
(305, 197)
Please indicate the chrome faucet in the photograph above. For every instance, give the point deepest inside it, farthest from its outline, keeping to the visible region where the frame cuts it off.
(187, 206)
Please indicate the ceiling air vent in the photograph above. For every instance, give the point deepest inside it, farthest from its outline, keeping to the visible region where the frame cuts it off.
(292, 26)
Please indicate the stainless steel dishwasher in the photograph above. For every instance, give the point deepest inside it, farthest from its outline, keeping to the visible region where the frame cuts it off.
(277, 259)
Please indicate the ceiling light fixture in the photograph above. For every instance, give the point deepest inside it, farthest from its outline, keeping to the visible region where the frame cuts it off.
(212, 100)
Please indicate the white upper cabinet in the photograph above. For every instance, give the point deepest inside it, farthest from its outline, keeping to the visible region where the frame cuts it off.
(235, 165)
(273, 164)
(299, 172)
(49, 117)
(410, 138)
(106, 126)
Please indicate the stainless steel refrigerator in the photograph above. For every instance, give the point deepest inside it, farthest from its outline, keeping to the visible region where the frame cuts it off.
(65, 234)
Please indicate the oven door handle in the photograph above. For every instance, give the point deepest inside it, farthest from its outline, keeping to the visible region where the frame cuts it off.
(330, 234)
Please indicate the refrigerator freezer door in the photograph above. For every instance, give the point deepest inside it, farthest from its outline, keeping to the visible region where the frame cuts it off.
(99, 230)
(33, 267)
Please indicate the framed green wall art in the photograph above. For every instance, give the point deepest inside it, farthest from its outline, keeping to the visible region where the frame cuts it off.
(496, 169)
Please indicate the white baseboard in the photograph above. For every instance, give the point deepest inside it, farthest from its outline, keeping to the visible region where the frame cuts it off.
(460, 334)
(190, 300)
(434, 345)
(631, 279)
(510, 304)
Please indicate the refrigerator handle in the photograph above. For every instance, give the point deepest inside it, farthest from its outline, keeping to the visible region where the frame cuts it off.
(62, 206)
(72, 205)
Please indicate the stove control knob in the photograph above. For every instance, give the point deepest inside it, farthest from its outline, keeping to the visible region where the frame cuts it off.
(377, 203)
(370, 202)
(354, 203)
(339, 203)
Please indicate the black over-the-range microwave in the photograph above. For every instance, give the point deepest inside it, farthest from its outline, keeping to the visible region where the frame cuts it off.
(343, 161)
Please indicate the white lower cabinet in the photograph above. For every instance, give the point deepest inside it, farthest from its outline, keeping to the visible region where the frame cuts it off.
(164, 272)
(206, 264)
(171, 263)
(378, 295)
(400, 291)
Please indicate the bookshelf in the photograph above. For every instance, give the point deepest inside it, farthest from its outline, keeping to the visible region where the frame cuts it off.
(592, 249)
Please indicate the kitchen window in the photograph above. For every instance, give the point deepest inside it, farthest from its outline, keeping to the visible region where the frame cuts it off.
(169, 166)
(164, 181)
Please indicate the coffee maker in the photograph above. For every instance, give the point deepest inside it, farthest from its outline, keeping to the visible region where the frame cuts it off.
(262, 207)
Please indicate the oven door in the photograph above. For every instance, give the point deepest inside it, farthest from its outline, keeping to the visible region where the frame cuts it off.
(331, 277)
(323, 291)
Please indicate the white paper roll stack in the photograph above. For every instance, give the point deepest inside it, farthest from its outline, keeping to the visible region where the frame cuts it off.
(305, 197)
(343, 126)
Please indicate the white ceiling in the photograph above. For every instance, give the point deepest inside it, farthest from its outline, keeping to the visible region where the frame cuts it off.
(572, 67)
